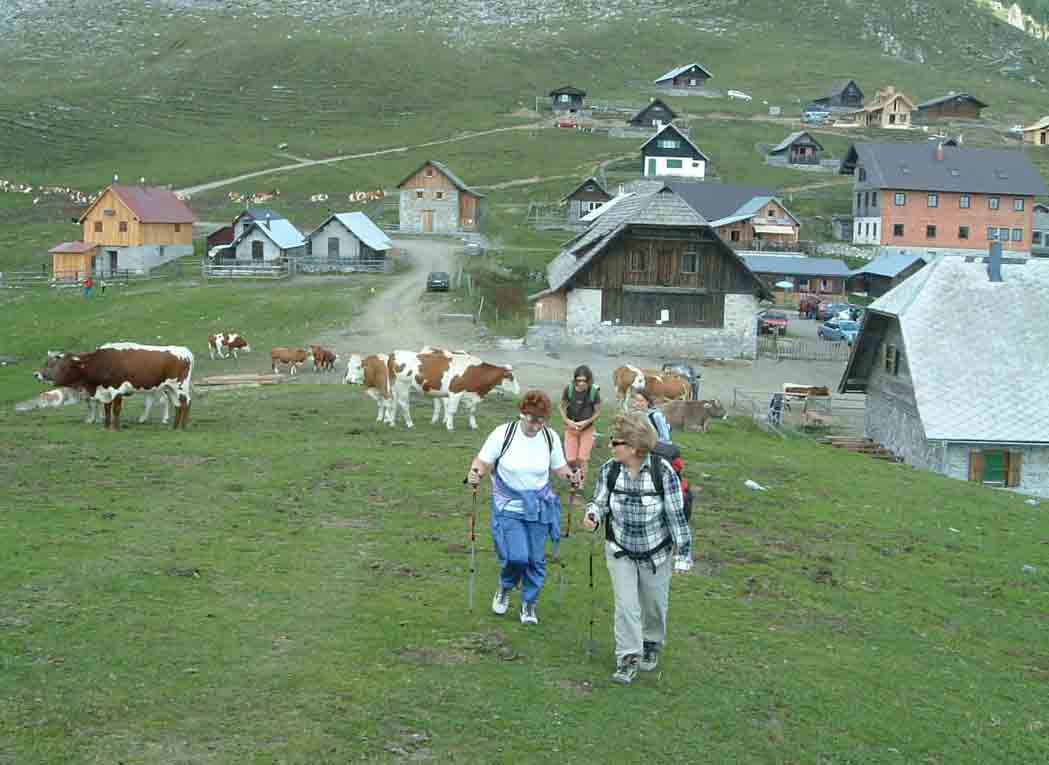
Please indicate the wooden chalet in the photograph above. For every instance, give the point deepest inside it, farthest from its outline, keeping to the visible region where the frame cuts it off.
(1038, 133)
(568, 99)
(435, 200)
(655, 115)
(890, 109)
(651, 272)
(671, 152)
(883, 273)
(73, 261)
(951, 106)
(798, 149)
(688, 77)
(585, 198)
(844, 94)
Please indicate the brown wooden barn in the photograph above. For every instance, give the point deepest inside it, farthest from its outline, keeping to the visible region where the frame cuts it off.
(585, 198)
(567, 99)
(73, 261)
(798, 149)
(951, 106)
(655, 115)
(687, 77)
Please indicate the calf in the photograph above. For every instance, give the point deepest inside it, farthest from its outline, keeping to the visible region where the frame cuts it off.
(225, 343)
(323, 359)
(694, 416)
(116, 370)
(292, 357)
(373, 373)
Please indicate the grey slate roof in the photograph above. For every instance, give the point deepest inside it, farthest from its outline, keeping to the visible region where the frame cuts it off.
(675, 72)
(888, 265)
(796, 266)
(444, 170)
(658, 208)
(715, 201)
(672, 128)
(790, 139)
(977, 350)
(914, 167)
(951, 97)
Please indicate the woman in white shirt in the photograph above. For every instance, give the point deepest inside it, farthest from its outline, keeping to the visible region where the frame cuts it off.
(525, 509)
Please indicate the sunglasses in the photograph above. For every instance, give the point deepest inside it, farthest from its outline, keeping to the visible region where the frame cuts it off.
(613, 442)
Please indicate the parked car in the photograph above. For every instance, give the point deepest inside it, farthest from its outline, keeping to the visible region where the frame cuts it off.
(839, 329)
(438, 281)
(815, 118)
(473, 248)
(772, 322)
(830, 310)
(740, 95)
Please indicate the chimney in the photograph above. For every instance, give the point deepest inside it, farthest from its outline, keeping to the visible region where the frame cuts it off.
(994, 262)
(939, 151)
(267, 220)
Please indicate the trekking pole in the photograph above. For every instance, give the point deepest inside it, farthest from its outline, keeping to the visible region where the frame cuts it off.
(473, 547)
(590, 640)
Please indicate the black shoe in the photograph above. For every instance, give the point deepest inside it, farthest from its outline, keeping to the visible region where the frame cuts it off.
(626, 670)
(650, 660)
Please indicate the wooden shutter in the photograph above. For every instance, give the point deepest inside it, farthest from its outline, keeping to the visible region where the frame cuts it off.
(976, 465)
(1015, 468)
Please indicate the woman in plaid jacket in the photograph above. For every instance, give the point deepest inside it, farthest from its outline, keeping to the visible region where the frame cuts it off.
(643, 528)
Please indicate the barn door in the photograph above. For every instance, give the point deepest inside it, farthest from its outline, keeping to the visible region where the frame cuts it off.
(428, 221)
(665, 266)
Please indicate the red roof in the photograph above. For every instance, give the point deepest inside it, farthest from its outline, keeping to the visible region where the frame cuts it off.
(151, 204)
(72, 248)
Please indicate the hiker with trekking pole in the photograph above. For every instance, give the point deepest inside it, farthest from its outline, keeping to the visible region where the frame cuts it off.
(520, 456)
(638, 498)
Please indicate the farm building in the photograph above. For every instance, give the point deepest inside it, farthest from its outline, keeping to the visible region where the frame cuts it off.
(251, 214)
(844, 94)
(812, 276)
(883, 273)
(567, 99)
(798, 149)
(890, 109)
(961, 398)
(585, 198)
(348, 237)
(951, 106)
(267, 241)
(671, 152)
(1040, 237)
(73, 261)
(655, 115)
(650, 273)
(744, 216)
(220, 237)
(435, 200)
(129, 228)
(1038, 133)
(688, 77)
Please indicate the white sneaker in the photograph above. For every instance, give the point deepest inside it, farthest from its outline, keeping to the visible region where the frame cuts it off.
(501, 601)
(528, 614)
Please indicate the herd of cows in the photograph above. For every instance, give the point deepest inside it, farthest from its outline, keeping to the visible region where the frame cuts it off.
(451, 379)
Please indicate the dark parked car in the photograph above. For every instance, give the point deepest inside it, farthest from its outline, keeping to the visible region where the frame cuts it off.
(772, 322)
(438, 281)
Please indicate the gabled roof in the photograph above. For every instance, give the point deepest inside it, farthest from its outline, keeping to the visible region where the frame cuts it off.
(568, 90)
(716, 201)
(675, 72)
(795, 265)
(1042, 123)
(651, 104)
(258, 213)
(793, 138)
(279, 231)
(682, 136)
(886, 97)
(838, 86)
(951, 97)
(72, 248)
(974, 348)
(361, 226)
(150, 204)
(888, 265)
(914, 166)
(443, 170)
(592, 180)
(658, 208)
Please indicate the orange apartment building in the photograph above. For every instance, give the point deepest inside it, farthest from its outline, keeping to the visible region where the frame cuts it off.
(934, 199)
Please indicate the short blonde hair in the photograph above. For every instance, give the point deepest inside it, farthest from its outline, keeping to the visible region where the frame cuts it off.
(635, 429)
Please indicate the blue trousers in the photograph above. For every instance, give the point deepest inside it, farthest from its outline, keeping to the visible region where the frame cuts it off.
(521, 547)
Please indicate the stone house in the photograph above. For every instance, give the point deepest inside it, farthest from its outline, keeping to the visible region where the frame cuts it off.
(434, 200)
(798, 148)
(268, 241)
(650, 273)
(671, 152)
(883, 273)
(655, 115)
(347, 241)
(965, 398)
(688, 77)
(585, 198)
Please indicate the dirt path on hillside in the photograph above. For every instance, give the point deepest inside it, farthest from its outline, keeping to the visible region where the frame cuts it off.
(818, 185)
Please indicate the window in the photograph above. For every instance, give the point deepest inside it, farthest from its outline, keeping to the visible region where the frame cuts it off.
(892, 359)
(803, 284)
(771, 213)
(418, 193)
(438, 195)
(257, 250)
(993, 203)
(996, 467)
(874, 199)
(965, 201)
(673, 164)
(859, 201)
(1036, 238)
(637, 261)
(696, 163)
(930, 232)
(178, 227)
(1003, 235)
(734, 235)
(824, 285)
(668, 143)
(901, 199)
(934, 200)
(565, 98)
(333, 246)
(867, 229)
(897, 229)
(1018, 234)
(992, 233)
(122, 227)
(109, 212)
(1018, 205)
(690, 263)
(429, 170)
(98, 227)
(963, 232)
(863, 174)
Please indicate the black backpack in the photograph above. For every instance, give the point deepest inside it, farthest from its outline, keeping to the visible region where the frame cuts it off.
(664, 451)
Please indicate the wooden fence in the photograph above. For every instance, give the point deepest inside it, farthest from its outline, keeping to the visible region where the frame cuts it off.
(42, 278)
(211, 269)
(322, 265)
(818, 416)
(798, 349)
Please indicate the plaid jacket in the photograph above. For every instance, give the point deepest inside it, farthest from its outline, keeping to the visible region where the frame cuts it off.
(642, 523)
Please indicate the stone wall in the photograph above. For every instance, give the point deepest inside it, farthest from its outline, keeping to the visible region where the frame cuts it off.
(142, 259)
(445, 211)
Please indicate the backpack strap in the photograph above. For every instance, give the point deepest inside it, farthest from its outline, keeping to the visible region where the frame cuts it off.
(511, 431)
(594, 390)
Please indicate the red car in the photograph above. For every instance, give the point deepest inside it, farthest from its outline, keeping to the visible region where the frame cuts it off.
(772, 322)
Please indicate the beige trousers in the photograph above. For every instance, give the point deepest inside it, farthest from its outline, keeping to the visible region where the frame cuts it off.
(641, 599)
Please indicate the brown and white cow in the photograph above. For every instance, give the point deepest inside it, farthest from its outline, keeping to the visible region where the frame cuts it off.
(454, 377)
(116, 370)
(292, 357)
(323, 359)
(663, 386)
(225, 343)
(373, 373)
(694, 416)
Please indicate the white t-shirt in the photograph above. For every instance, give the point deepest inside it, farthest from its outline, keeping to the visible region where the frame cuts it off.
(527, 463)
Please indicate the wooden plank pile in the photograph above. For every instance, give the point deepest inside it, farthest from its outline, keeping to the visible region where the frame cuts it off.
(245, 380)
(862, 446)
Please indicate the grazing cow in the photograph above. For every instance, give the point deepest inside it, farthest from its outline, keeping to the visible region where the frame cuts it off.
(116, 370)
(626, 379)
(663, 386)
(457, 377)
(293, 357)
(694, 416)
(373, 373)
(323, 359)
(225, 343)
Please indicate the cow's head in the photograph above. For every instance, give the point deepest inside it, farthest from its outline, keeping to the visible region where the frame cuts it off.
(716, 409)
(238, 342)
(56, 361)
(638, 382)
(509, 382)
(354, 370)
